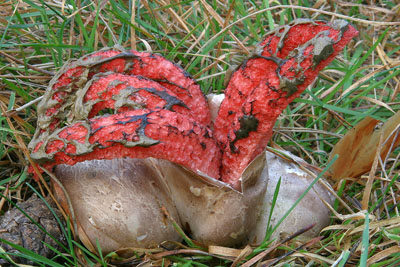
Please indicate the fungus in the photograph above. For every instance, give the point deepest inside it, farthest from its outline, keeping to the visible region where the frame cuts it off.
(138, 131)
(283, 65)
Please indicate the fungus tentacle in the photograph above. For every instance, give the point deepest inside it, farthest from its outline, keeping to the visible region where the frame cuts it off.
(140, 133)
(285, 63)
(55, 107)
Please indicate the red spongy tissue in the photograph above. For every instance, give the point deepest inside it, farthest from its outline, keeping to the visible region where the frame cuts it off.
(114, 104)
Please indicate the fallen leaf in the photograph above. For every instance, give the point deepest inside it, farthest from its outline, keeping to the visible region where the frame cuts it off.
(383, 254)
(358, 147)
(224, 251)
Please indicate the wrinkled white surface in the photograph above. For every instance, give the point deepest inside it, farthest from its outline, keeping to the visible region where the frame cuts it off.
(218, 215)
(118, 202)
(294, 181)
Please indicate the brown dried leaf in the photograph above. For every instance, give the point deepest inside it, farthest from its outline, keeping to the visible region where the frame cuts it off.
(358, 147)
(383, 254)
(224, 251)
(243, 254)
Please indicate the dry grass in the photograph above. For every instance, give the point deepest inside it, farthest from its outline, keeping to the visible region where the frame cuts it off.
(209, 38)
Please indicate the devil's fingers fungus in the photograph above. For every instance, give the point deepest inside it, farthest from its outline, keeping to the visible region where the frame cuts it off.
(113, 105)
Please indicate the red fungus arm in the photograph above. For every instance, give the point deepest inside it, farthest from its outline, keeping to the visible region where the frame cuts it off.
(70, 80)
(288, 61)
(142, 133)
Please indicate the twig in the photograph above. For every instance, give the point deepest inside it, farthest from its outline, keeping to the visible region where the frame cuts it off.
(133, 32)
(371, 177)
(29, 104)
(13, 111)
(3, 200)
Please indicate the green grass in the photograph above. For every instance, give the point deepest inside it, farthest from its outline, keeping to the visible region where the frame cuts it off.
(38, 37)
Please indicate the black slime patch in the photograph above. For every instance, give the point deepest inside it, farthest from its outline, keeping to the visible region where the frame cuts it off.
(203, 145)
(248, 123)
(144, 140)
(171, 100)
